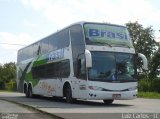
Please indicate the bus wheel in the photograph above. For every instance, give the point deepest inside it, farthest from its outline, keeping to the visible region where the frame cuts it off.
(69, 98)
(25, 90)
(108, 101)
(30, 95)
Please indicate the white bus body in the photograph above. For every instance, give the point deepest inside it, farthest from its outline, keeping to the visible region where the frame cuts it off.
(90, 61)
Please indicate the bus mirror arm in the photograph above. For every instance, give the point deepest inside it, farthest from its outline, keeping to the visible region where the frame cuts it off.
(145, 61)
(88, 59)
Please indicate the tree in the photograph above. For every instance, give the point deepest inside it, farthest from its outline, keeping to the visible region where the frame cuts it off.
(8, 72)
(155, 63)
(1, 80)
(143, 40)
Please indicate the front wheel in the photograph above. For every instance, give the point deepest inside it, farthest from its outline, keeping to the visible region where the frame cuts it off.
(108, 101)
(69, 98)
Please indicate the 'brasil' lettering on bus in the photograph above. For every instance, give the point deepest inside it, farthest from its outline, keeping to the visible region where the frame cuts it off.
(58, 54)
(108, 34)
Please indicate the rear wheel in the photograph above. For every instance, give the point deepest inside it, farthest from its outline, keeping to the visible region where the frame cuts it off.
(25, 90)
(69, 98)
(108, 101)
(29, 93)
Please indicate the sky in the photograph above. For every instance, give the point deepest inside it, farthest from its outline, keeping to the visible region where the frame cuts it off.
(23, 22)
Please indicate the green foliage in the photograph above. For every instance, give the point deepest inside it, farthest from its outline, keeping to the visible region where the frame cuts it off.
(2, 85)
(149, 95)
(144, 85)
(7, 75)
(12, 85)
(155, 63)
(148, 85)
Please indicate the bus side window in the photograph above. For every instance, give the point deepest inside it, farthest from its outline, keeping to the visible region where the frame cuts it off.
(81, 67)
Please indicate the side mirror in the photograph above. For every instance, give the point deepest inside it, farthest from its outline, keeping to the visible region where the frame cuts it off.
(88, 59)
(145, 61)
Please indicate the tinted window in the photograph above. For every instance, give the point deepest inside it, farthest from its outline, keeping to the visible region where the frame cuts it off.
(52, 70)
(78, 46)
(53, 42)
(63, 39)
(19, 56)
(35, 49)
(44, 46)
(112, 67)
(29, 52)
(25, 53)
(103, 66)
(81, 68)
(125, 66)
(59, 40)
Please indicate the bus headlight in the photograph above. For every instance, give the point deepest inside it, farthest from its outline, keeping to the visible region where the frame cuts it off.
(95, 88)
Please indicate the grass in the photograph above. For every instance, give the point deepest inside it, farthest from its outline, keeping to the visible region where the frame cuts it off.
(151, 95)
(7, 91)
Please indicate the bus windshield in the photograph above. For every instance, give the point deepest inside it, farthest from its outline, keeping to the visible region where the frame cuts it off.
(112, 67)
(107, 34)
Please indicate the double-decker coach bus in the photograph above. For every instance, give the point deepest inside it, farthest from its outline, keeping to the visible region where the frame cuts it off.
(90, 61)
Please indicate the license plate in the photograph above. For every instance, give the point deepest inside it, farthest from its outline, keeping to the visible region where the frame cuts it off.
(116, 96)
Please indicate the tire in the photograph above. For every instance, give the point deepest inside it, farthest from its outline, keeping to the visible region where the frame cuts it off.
(25, 91)
(29, 93)
(108, 101)
(69, 98)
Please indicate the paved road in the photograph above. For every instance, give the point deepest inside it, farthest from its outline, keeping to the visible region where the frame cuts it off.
(89, 109)
(10, 110)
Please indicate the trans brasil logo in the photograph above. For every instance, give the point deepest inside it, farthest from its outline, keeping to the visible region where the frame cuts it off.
(107, 34)
(58, 54)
